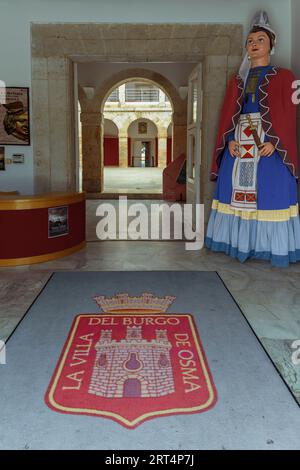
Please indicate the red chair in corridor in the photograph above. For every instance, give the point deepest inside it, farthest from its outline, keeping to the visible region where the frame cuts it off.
(174, 189)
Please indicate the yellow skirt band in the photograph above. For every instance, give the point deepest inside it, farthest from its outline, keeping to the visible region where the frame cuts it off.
(280, 215)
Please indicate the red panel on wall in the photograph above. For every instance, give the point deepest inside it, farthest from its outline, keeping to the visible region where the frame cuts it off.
(156, 151)
(111, 151)
(24, 233)
(169, 150)
(129, 151)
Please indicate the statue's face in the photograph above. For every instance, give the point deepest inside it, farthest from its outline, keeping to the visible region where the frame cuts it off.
(258, 45)
(21, 126)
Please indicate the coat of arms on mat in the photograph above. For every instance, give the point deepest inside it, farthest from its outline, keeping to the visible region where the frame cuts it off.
(131, 363)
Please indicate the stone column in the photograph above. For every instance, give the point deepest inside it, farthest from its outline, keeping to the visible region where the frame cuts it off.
(161, 96)
(123, 150)
(41, 126)
(91, 152)
(53, 124)
(214, 85)
(122, 94)
(162, 148)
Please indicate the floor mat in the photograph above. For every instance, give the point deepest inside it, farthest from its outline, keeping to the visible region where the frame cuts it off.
(150, 351)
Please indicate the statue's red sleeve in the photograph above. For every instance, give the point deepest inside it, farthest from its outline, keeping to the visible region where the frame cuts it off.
(230, 112)
(283, 118)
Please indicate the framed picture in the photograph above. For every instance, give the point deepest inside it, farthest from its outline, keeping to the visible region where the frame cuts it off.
(58, 221)
(2, 158)
(142, 127)
(14, 116)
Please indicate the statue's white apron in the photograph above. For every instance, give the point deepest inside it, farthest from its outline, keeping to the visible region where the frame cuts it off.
(244, 173)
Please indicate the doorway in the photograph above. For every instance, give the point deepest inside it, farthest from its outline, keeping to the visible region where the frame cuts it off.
(170, 45)
(143, 156)
(138, 114)
(132, 388)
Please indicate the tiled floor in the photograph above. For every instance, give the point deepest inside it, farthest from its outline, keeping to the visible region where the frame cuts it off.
(269, 297)
(132, 180)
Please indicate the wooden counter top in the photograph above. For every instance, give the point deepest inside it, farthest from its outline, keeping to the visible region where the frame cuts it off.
(39, 201)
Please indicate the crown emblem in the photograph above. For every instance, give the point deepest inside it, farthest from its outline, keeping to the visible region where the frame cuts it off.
(123, 303)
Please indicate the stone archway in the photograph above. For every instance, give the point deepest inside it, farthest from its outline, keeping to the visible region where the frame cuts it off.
(55, 48)
(179, 105)
(135, 139)
(92, 119)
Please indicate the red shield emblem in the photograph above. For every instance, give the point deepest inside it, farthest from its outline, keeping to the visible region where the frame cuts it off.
(131, 367)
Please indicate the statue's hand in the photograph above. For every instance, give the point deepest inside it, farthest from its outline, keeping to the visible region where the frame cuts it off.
(234, 148)
(267, 149)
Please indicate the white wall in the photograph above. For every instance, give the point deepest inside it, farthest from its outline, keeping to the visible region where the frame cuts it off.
(16, 16)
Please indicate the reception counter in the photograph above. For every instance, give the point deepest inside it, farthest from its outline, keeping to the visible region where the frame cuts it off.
(35, 229)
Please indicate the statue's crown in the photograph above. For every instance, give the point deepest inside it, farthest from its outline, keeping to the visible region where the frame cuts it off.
(123, 303)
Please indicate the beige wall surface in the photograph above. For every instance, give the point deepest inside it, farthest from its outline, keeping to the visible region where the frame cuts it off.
(93, 73)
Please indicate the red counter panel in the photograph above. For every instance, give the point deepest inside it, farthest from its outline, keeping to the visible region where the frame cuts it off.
(24, 233)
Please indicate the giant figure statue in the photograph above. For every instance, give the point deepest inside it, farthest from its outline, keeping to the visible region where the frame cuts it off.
(255, 210)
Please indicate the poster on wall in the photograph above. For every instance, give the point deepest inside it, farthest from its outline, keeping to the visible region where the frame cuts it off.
(2, 158)
(14, 116)
(58, 223)
(18, 158)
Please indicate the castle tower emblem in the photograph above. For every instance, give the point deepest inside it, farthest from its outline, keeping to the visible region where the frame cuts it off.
(131, 362)
(133, 366)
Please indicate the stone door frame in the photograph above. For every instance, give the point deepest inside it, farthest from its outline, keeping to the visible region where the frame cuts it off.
(56, 47)
(92, 121)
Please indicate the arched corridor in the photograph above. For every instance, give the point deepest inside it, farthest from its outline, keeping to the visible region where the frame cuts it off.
(138, 126)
